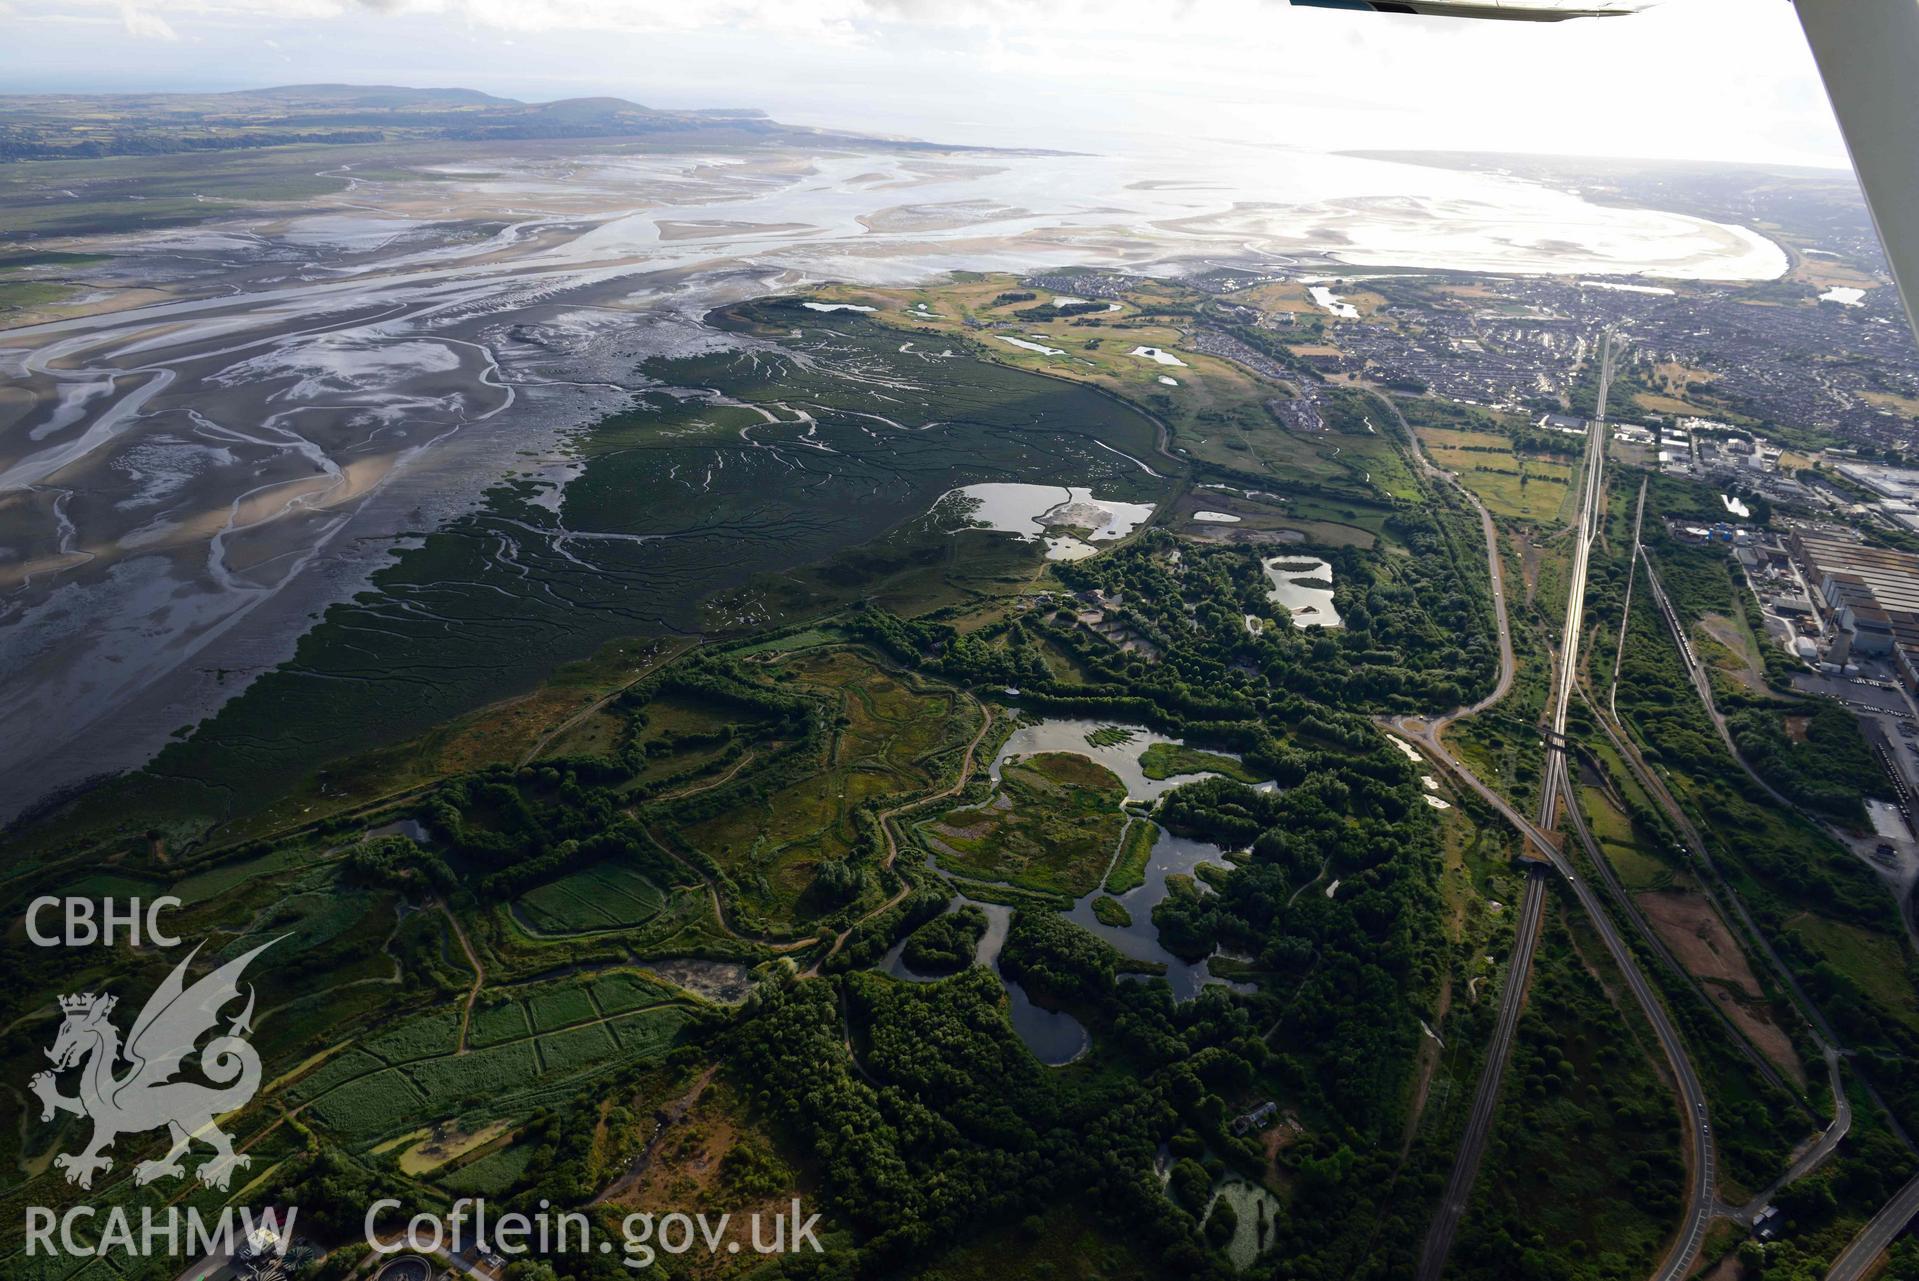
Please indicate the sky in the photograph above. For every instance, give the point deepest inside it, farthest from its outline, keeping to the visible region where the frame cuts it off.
(1689, 79)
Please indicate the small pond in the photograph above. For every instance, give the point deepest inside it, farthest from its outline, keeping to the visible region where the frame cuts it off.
(1257, 1210)
(1073, 734)
(1333, 303)
(1172, 856)
(1055, 1038)
(1035, 511)
(1293, 578)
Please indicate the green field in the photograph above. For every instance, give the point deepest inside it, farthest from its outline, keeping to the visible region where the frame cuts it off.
(490, 1175)
(648, 1033)
(561, 1007)
(371, 1106)
(217, 880)
(1636, 868)
(805, 638)
(1518, 487)
(346, 1066)
(493, 1024)
(1878, 965)
(484, 1076)
(354, 1095)
(603, 897)
(576, 1048)
(422, 1037)
(618, 993)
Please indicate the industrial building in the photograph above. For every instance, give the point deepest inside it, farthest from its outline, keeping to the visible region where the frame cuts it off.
(1868, 596)
(1897, 488)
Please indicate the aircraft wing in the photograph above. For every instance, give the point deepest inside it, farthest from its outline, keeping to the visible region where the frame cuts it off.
(1868, 55)
(1510, 10)
(1867, 52)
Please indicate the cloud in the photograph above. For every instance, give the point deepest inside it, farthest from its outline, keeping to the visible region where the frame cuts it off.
(1706, 78)
(826, 17)
(144, 25)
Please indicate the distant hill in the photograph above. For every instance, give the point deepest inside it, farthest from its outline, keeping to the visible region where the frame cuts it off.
(83, 126)
(365, 95)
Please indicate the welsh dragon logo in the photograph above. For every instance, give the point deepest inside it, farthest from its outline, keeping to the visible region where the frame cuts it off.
(146, 1097)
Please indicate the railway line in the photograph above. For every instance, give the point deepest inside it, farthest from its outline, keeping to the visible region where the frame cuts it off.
(1701, 1199)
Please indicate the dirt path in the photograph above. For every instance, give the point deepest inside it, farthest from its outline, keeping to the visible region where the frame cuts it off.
(892, 846)
(1317, 878)
(719, 906)
(599, 704)
(707, 785)
(846, 1037)
(669, 1116)
(479, 974)
(713, 890)
(1430, 1050)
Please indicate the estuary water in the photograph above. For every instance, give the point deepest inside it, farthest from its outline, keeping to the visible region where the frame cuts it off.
(247, 416)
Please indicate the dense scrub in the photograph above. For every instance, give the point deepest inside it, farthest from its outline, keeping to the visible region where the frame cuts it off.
(1359, 969)
(1416, 634)
(945, 944)
(1587, 1146)
(1826, 914)
(1812, 752)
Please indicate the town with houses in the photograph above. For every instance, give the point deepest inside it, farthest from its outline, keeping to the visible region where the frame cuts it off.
(1795, 404)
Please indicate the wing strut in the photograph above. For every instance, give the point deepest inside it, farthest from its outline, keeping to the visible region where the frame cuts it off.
(1868, 55)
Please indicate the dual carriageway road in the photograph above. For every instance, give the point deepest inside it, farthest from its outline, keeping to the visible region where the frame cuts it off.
(1425, 735)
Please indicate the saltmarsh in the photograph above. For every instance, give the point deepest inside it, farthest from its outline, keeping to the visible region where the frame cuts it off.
(1053, 825)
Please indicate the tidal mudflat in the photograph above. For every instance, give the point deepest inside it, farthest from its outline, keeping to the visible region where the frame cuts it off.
(246, 417)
